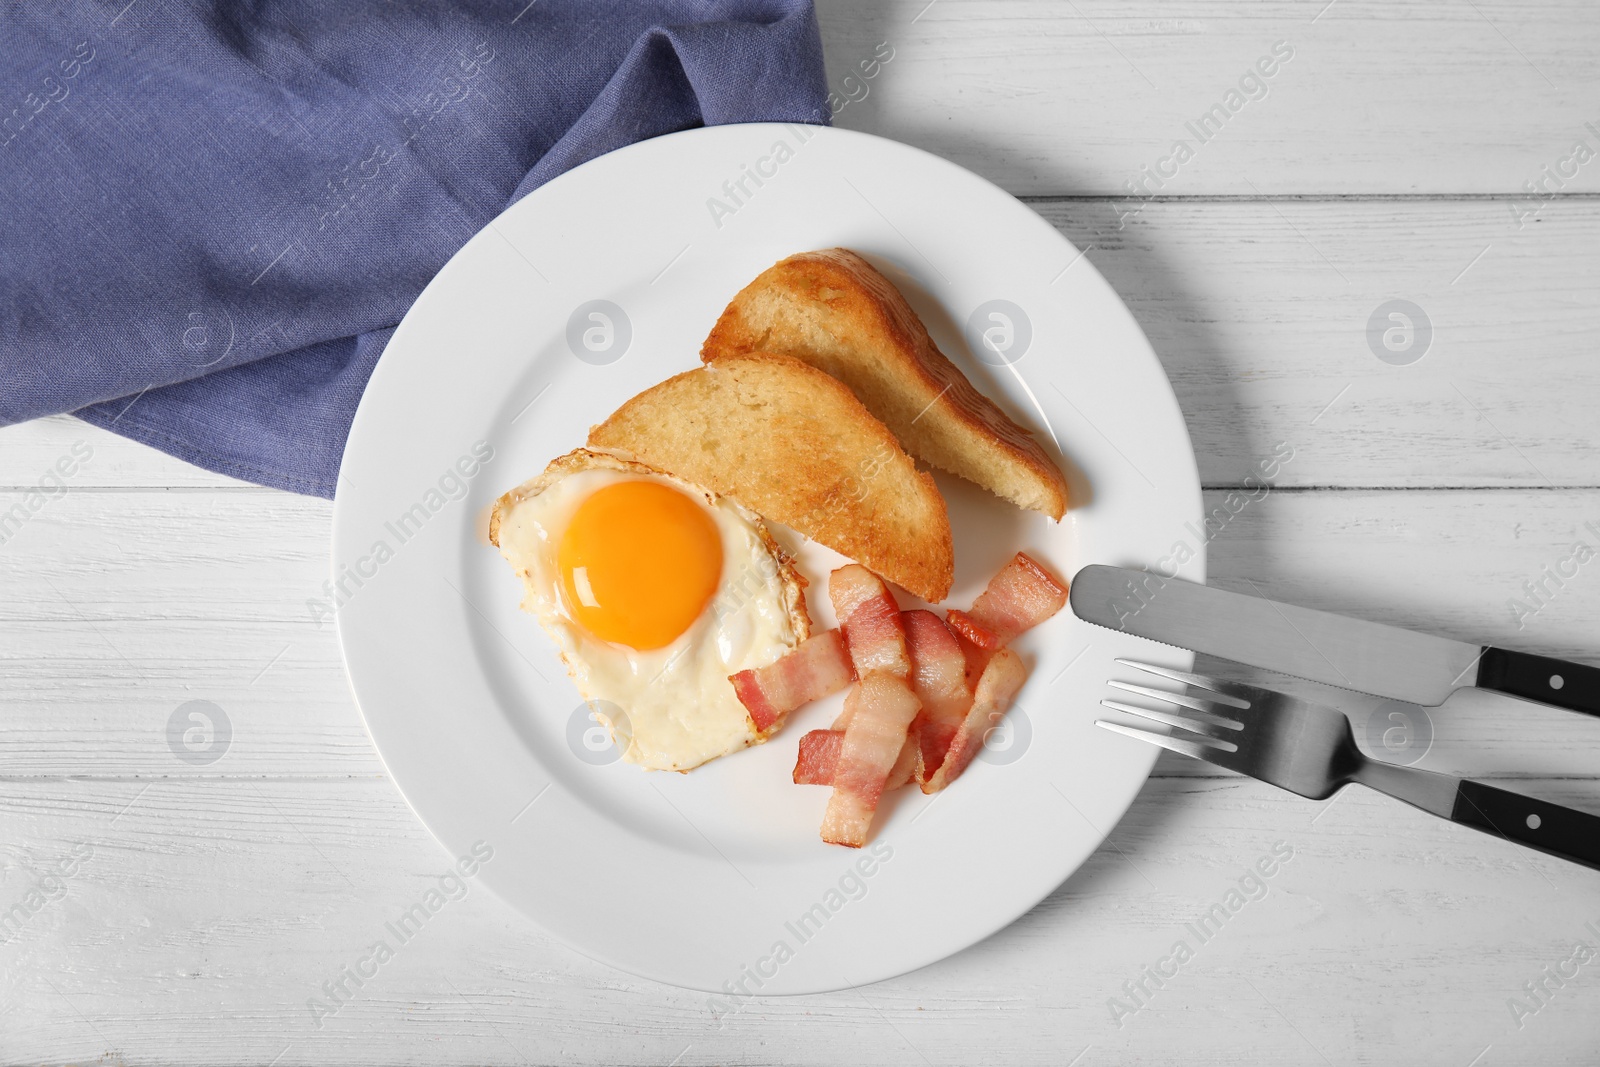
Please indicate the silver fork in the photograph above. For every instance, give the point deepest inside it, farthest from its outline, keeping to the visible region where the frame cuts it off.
(1309, 749)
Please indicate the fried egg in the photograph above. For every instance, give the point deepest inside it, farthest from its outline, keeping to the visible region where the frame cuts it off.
(655, 591)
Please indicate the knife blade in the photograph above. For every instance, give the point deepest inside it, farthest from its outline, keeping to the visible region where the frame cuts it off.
(1354, 654)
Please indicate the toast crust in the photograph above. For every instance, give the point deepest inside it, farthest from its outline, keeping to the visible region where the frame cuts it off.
(796, 446)
(834, 310)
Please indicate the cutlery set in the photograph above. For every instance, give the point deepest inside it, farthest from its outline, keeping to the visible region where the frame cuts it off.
(1308, 748)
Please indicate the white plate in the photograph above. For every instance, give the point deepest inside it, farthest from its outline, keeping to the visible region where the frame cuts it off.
(698, 879)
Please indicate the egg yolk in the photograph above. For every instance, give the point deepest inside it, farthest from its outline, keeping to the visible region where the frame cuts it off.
(639, 561)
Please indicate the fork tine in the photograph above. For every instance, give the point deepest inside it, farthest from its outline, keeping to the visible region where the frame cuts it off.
(1177, 722)
(1233, 697)
(1206, 710)
(1192, 749)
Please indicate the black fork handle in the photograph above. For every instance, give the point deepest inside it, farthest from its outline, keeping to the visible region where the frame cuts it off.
(1549, 681)
(1538, 824)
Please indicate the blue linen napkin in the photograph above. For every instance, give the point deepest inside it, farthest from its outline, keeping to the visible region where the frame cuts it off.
(214, 215)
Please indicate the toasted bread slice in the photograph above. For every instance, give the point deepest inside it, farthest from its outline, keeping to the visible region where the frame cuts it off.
(835, 312)
(795, 446)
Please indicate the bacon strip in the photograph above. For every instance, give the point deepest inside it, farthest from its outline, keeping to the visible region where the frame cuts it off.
(815, 668)
(1018, 598)
(935, 740)
(913, 715)
(970, 630)
(1021, 596)
(938, 671)
(884, 707)
(818, 759)
(842, 722)
(870, 619)
(997, 687)
(908, 764)
(939, 678)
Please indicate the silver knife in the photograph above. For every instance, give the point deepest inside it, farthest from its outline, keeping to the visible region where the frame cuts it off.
(1365, 656)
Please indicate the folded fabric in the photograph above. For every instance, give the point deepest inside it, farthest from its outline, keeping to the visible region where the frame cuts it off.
(215, 215)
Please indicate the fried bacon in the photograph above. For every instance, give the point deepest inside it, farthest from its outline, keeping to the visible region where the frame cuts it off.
(938, 671)
(929, 690)
(1018, 598)
(996, 688)
(970, 631)
(883, 708)
(939, 678)
(815, 668)
(818, 759)
(870, 618)
(907, 765)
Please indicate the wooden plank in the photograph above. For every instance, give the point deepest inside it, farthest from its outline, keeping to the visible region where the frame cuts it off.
(123, 606)
(30, 450)
(216, 908)
(1260, 311)
(1049, 98)
(213, 554)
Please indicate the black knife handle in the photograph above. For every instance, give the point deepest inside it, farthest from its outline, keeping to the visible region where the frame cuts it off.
(1549, 681)
(1572, 835)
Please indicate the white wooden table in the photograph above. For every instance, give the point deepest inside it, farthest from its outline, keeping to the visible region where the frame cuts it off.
(1387, 160)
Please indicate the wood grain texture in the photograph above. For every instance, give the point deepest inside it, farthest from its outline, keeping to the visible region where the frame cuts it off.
(30, 450)
(1379, 98)
(209, 911)
(1260, 313)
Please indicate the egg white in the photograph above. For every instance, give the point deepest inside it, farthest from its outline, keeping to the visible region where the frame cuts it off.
(671, 707)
